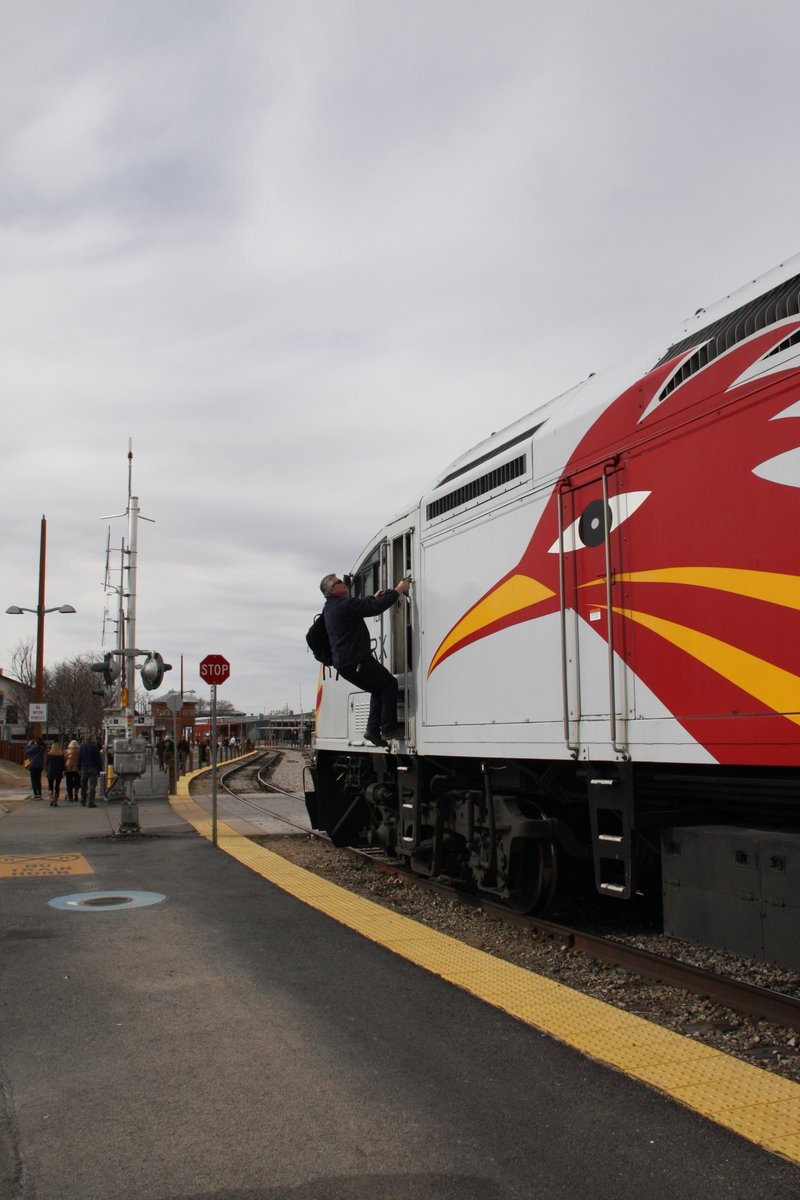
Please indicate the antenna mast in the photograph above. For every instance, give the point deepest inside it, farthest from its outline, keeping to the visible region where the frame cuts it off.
(126, 649)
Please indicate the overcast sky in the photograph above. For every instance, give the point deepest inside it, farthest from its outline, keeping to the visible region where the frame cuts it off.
(304, 253)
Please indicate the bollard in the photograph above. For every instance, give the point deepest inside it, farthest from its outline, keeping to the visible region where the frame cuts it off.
(129, 817)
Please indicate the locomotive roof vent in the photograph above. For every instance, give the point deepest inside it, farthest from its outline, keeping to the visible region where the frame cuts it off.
(476, 488)
(775, 305)
(493, 453)
(786, 344)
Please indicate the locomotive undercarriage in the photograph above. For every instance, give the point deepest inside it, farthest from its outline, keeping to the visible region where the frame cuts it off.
(511, 828)
(476, 822)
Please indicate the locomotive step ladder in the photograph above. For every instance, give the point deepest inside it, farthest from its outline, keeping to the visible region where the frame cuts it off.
(408, 807)
(418, 840)
(611, 812)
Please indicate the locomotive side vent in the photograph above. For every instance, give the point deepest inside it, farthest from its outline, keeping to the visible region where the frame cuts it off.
(786, 344)
(478, 487)
(781, 302)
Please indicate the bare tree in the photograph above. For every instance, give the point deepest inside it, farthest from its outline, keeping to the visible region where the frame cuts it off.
(74, 696)
(23, 661)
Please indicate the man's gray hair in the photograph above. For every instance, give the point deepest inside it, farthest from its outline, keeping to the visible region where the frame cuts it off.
(326, 583)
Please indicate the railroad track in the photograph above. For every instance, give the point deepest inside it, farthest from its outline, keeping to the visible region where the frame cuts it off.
(262, 765)
(760, 1003)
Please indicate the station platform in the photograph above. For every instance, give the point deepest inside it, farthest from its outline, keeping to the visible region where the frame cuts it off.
(187, 1021)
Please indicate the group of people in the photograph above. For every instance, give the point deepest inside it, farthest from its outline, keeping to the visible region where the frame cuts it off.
(78, 765)
(165, 751)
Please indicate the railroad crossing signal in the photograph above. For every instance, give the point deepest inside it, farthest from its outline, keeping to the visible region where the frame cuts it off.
(214, 669)
(153, 669)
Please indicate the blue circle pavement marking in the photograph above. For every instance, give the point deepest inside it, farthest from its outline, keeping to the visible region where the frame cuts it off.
(103, 901)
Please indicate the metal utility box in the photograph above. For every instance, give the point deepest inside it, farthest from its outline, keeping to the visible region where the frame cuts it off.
(738, 889)
(130, 758)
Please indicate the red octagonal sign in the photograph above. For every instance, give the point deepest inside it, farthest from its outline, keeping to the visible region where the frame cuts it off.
(214, 668)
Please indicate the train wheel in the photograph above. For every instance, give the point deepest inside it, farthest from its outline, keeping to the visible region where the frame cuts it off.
(532, 875)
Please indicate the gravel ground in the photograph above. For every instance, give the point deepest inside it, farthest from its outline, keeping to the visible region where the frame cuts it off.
(767, 1046)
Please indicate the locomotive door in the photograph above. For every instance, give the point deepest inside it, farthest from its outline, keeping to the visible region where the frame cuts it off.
(592, 557)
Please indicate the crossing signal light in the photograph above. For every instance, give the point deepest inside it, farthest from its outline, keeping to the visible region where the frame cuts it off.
(109, 668)
(153, 669)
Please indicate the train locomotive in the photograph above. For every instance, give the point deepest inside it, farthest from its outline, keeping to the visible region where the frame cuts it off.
(601, 639)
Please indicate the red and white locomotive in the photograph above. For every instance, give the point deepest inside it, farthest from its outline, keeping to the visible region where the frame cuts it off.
(602, 639)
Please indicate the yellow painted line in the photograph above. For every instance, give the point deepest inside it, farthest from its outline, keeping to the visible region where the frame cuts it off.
(760, 1107)
(36, 866)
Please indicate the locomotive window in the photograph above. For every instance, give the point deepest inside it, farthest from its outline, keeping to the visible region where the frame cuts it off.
(366, 581)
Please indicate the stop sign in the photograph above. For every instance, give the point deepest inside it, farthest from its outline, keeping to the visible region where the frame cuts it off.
(214, 668)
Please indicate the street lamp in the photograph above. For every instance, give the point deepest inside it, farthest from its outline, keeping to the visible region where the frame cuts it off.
(14, 611)
(40, 611)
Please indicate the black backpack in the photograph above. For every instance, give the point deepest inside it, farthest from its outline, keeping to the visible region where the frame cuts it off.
(318, 641)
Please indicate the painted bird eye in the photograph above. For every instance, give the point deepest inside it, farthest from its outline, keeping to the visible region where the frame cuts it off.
(593, 522)
(597, 517)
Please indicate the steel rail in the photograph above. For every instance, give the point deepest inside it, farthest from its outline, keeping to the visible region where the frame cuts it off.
(762, 1003)
(267, 812)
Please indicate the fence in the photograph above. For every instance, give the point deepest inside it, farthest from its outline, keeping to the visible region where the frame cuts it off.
(12, 752)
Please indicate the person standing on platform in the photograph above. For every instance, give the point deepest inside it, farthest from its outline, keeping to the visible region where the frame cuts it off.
(72, 772)
(183, 753)
(55, 772)
(34, 753)
(352, 651)
(90, 766)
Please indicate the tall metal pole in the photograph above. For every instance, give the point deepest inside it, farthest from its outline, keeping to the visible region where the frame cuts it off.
(213, 764)
(129, 816)
(129, 822)
(122, 681)
(39, 691)
(130, 624)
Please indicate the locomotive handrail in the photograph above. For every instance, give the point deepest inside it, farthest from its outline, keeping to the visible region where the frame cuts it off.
(562, 612)
(407, 626)
(612, 687)
(384, 583)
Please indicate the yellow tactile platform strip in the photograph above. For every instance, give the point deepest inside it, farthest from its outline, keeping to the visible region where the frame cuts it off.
(758, 1106)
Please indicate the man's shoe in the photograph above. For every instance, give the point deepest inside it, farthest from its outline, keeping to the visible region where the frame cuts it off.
(374, 738)
(393, 734)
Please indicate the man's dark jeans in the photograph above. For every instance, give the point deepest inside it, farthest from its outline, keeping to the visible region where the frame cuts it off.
(370, 676)
(88, 786)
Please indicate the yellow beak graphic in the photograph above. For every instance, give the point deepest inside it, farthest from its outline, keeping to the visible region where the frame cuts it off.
(495, 609)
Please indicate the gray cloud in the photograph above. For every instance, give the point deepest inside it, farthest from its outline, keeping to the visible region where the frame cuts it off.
(306, 254)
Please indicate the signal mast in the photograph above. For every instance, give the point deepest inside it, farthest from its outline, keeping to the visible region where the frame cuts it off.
(130, 752)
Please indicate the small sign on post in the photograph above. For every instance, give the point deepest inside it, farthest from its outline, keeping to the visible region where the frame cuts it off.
(214, 669)
(37, 713)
